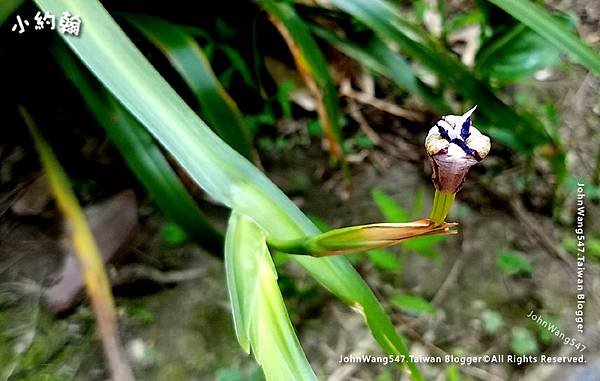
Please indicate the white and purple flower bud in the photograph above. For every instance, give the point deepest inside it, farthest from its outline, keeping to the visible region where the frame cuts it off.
(454, 146)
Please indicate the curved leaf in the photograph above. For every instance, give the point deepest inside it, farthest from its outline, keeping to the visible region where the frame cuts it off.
(143, 156)
(518, 53)
(313, 67)
(261, 319)
(88, 254)
(540, 20)
(389, 24)
(216, 167)
(377, 56)
(187, 57)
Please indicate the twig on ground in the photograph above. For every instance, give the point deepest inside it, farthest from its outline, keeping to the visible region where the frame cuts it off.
(131, 273)
(538, 234)
(347, 91)
(354, 112)
(470, 370)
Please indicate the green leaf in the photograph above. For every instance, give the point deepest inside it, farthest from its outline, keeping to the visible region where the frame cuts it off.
(523, 341)
(492, 321)
(90, 259)
(453, 373)
(541, 21)
(513, 263)
(419, 203)
(313, 67)
(7, 8)
(239, 64)
(363, 141)
(218, 169)
(384, 260)
(261, 319)
(389, 24)
(142, 156)
(463, 20)
(187, 57)
(390, 209)
(378, 57)
(425, 246)
(413, 304)
(173, 235)
(518, 53)
(546, 335)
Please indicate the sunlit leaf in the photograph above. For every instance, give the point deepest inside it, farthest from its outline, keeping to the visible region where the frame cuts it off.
(523, 342)
(383, 259)
(143, 156)
(492, 321)
(513, 263)
(217, 168)
(518, 53)
(413, 304)
(261, 320)
(558, 34)
(390, 209)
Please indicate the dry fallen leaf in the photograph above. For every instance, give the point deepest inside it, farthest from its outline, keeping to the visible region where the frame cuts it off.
(111, 222)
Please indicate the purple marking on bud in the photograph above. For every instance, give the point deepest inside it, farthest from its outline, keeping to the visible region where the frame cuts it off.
(465, 148)
(454, 145)
(443, 133)
(464, 129)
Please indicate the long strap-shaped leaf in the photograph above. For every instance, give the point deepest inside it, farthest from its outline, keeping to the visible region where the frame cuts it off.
(540, 20)
(186, 56)
(377, 56)
(313, 67)
(261, 320)
(88, 254)
(216, 167)
(143, 156)
(389, 24)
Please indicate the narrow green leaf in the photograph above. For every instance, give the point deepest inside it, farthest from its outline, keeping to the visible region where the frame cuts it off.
(378, 57)
(383, 259)
(88, 254)
(523, 342)
(261, 319)
(518, 53)
(413, 304)
(313, 67)
(540, 20)
(513, 263)
(390, 209)
(187, 57)
(426, 246)
(142, 156)
(389, 24)
(217, 168)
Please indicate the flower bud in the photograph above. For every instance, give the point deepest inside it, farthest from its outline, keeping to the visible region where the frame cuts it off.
(361, 238)
(454, 145)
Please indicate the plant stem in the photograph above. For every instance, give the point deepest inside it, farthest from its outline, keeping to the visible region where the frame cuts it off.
(442, 202)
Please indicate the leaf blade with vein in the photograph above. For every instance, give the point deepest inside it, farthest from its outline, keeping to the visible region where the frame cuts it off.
(94, 274)
(261, 320)
(217, 168)
(187, 57)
